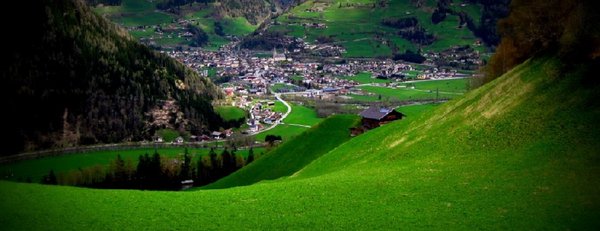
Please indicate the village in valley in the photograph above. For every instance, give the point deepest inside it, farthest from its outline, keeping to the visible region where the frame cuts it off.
(251, 79)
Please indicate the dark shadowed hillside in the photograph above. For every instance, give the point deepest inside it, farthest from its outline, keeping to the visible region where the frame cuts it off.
(70, 77)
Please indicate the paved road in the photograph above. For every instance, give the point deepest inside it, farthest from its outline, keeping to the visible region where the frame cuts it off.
(289, 110)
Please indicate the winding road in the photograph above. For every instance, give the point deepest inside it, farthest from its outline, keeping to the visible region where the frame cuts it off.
(279, 121)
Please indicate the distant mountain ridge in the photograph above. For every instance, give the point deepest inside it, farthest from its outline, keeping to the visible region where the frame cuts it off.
(70, 77)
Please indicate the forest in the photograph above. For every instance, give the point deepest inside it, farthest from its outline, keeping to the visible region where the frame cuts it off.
(570, 29)
(70, 78)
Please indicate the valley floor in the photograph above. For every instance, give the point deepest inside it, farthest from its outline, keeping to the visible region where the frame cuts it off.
(518, 153)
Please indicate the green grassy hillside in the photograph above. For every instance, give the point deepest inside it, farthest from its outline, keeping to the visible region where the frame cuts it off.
(519, 153)
(142, 16)
(294, 154)
(356, 25)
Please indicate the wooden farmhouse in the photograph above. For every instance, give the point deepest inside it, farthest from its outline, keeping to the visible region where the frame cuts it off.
(374, 117)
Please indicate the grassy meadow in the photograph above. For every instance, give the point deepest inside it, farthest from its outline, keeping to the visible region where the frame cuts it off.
(34, 170)
(302, 115)
(518, 153)
(356, 25)
(141, 13)
(416, 90)
(230, 112)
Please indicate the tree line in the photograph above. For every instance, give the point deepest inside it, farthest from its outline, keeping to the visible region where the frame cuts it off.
(154, 172)
(567, 29)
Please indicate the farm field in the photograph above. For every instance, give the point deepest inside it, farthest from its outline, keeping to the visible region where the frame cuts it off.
(356, 25)
(517, 153)
(35, 169)
(302, 115)
(450, 85)
(143, 13)
(448, 89)
(364, 78)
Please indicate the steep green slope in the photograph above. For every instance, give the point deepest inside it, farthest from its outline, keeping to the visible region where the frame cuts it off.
(162, 23)
(294, 154)
(518, 153)
(71, 77)
(358, 25)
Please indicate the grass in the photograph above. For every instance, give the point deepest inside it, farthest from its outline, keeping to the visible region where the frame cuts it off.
(231, 113)
(238, 26)
(356, 25)
(294, 154)
(518, 153)
(428, 89)
(134, 13)
(365, 77)
(279, 107)
(417, 110)
(37, 168)
(302, 115)
(450, 85)
(280, 86)
(400, 94)
(287, 132)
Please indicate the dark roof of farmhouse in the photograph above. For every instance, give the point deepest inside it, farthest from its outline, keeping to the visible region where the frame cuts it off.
(376, 112)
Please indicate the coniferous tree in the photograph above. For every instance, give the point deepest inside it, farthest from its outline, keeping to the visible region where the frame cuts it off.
(227, 162)
(205, 171)
(50, 178)
(213, 159)
(186, 164)
(239, 161)
(250, 156)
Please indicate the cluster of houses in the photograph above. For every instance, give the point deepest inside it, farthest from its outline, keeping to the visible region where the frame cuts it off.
(377, 67)
(457, 57)
(249, 74)
(440, 73)
(261, 112)
(314, 25)
(215, 135)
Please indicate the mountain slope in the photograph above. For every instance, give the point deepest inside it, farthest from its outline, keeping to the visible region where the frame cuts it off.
(372, 28)
(162, 23)
(519, 153)
(70, 77)
(293, 155)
